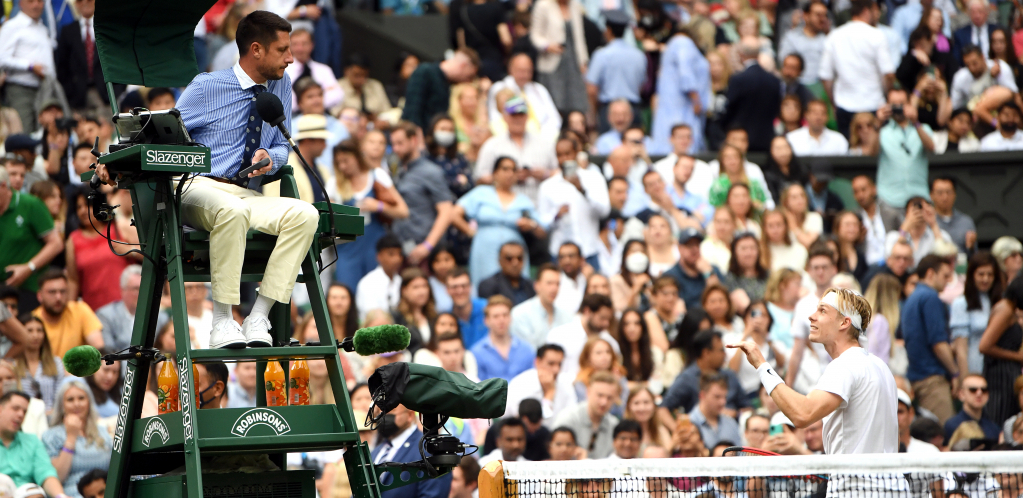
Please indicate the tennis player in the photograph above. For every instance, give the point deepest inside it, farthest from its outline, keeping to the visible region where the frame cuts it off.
(856, 393)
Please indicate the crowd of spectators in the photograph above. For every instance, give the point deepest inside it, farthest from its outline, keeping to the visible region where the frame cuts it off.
(517, 223)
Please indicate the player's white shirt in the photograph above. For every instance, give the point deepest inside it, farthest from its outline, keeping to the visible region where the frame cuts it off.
(866, 420)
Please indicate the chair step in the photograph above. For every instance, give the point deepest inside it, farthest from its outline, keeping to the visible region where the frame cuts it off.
(272, 429)
(253, 354)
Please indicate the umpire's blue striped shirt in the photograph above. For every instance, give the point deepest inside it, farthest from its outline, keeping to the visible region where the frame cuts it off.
(215, 109)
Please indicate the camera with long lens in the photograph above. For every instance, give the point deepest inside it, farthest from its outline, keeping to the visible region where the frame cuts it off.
(436, 394)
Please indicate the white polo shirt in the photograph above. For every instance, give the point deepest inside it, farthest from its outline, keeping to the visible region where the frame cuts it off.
(856, 59)
(830, 143)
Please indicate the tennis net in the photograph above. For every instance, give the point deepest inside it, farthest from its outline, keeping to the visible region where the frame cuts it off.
(944, 475)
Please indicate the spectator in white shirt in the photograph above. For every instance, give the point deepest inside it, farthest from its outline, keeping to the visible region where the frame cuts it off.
(594, 318)
(905, 415)
(878, 218)
(815, 139)
(380, 289)
(628, 435)
(533, 318)
(511, 442)
(531, 151)
(26, 55)
(573, 201)
(978, 75)
(541, 383)
(681, 141)
(856, 66)
(304, 65)
(544, 117)
(1008, 135)
(574, 272)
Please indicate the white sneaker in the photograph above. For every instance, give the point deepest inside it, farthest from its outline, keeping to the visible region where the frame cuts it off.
(227, 335)
(256, 330)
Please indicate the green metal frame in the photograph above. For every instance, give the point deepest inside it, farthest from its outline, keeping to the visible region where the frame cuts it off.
(155, 444)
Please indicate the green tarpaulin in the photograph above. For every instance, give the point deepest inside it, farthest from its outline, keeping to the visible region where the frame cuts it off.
(148, 42)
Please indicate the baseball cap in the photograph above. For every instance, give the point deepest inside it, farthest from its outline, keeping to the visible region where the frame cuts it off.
(903, 397)
(690, 234)
(617, 17)
(20, 141)
(781, 419)
(516, 105)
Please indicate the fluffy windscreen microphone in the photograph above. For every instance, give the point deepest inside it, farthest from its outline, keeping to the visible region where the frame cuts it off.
(82, 361)
(270, 108)
(381, 339)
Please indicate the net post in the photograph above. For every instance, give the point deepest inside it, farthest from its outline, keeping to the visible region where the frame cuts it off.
(491, 480)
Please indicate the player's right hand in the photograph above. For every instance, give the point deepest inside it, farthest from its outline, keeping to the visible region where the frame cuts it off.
(753, 354)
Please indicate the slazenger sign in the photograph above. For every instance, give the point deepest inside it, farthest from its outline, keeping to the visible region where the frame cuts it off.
(156, 427)
(162, 158)
(185, 399)
(260, 416)
(122, 411)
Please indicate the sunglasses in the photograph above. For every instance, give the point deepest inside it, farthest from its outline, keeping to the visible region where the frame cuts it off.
(975, 390)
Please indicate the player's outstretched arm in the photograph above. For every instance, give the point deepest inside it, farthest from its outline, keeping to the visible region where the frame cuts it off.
(801, 410)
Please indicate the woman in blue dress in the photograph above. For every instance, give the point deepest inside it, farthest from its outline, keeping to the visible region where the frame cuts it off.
(500, 216)
(370, 189)
(970, 312)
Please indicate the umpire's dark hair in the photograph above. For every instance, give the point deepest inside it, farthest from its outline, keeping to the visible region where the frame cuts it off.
(703, 341)
(388, 241)
(261, 27)
(89, 478)
(930, 262)
(627, 425)
(159, 92)
(358, 59)
(548, 347)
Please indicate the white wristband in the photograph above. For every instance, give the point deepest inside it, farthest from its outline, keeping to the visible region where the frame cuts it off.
(31, 266)
(769, 378)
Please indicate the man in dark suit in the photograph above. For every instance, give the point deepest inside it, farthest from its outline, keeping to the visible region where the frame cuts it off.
(399, 442)
(77, 61)
(978, 32)
(754, 97)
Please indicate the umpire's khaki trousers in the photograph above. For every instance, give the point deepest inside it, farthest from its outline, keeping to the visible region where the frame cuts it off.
(228, 212)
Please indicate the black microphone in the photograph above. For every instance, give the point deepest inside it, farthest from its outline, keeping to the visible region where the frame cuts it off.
(271, 111)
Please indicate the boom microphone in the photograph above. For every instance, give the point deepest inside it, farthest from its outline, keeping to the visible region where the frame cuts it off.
(82, 361)
(378, 340)
(271, 111)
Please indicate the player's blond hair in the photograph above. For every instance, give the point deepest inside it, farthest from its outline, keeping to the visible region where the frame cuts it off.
(850, 301)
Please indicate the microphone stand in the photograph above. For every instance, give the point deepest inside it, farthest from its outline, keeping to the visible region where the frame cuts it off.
(309, 171)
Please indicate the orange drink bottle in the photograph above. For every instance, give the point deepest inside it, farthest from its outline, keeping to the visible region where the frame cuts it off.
(298, 386)
(167, 388)
(276, 391)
